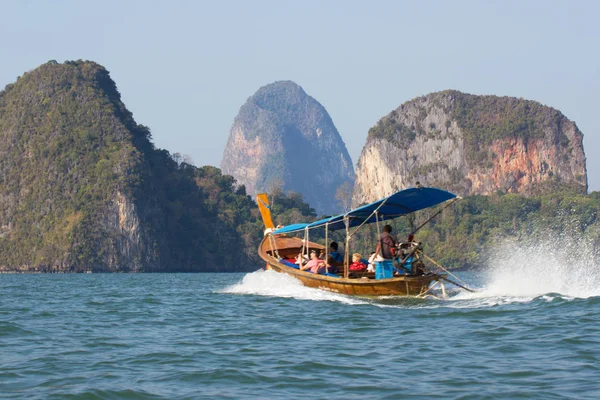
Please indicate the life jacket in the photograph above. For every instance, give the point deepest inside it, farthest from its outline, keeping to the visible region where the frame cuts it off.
(357, 266)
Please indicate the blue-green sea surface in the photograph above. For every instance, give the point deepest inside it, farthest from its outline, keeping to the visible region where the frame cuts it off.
(528, 333)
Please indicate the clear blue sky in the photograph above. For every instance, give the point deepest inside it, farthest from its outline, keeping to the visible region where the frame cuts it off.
(184, 68)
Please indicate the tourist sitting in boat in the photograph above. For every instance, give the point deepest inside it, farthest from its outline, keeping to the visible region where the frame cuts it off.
(357, 264)
(335, 255)
(332, 267)
(315, 265)
(371, 262)
(409, 243)
(301, 259)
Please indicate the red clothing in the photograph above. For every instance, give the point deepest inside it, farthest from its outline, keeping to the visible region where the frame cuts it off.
(357, 266)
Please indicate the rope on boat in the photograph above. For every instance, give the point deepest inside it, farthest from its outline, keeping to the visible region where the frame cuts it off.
(437, 213)
(422, 294)
(457, 284)
(444, 269)
(375, 213)
(274, 250)
(326, 247)
(450, 281)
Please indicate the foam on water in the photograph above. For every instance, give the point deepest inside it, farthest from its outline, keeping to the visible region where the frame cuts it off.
(271, 283)
(524, 270)
(516, 272)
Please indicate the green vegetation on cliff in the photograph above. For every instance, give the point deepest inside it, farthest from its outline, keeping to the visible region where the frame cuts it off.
(83, 188)
(482, 120)
(65, 150)
(392, 131)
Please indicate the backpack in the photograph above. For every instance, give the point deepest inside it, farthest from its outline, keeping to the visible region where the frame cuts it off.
(390, 243)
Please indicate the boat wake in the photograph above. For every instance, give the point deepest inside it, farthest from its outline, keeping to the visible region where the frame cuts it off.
(516, 272)
(275, 284)
(523, 271)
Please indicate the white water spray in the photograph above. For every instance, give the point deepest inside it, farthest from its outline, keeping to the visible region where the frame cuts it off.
(567, 266)
(271, 283)
(517, 271)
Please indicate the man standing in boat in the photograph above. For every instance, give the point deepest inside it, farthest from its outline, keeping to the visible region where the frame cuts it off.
(386, 247)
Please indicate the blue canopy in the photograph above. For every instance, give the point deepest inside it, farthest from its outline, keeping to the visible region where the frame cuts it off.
(400, 203)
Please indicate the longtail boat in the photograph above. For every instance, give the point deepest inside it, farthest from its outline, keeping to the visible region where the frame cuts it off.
(278, 248)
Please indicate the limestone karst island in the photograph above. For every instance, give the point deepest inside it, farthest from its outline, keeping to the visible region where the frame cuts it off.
(83, 187)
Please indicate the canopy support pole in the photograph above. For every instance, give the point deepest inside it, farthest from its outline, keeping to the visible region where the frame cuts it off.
(301, 255)
(347, 223)
(326, 255)
(378, 230)
(375, 212)
(306, 241)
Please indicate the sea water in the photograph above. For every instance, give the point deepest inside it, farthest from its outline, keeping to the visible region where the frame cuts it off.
(531, 331)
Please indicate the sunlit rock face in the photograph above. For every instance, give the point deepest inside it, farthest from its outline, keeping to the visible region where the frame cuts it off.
(283, 138)
(471, 145)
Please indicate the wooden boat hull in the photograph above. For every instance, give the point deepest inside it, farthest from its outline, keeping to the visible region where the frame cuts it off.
(396, 286)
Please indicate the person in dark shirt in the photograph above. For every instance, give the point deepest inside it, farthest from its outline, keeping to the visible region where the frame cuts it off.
(386, 245)
(336, 256)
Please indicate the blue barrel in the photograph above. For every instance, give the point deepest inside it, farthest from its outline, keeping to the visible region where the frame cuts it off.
(384, 269)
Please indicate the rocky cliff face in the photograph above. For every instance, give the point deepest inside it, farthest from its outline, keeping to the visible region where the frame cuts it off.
(471, 145)
(284, 138)
(68, 166)
(83, 188)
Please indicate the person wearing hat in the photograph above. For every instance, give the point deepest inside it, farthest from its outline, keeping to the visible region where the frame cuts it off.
(315, 265)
